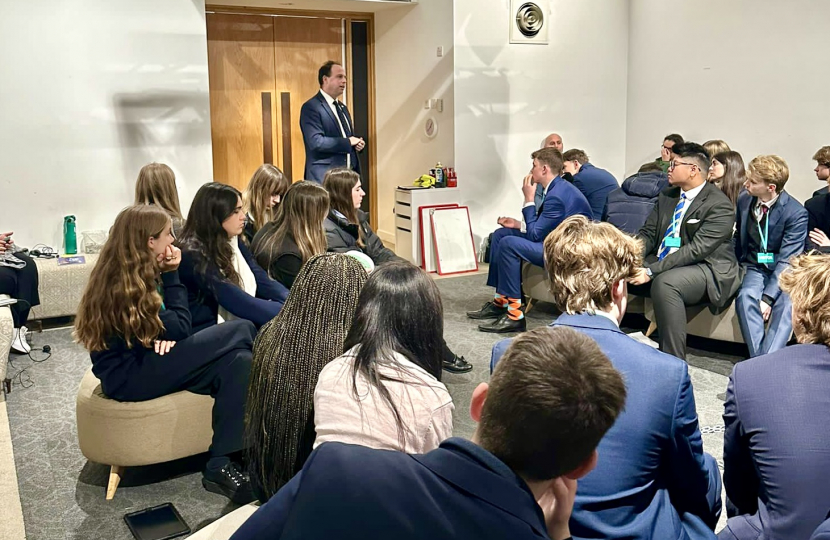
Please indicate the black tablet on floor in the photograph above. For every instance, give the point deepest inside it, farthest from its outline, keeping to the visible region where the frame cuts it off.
(160, 522)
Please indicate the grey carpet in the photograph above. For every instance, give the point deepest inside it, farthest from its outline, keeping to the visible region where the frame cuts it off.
(63, 495)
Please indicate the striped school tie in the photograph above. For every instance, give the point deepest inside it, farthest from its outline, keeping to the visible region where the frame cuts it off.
(673, 229)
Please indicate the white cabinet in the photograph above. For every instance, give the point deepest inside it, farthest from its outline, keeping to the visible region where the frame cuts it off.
(407, 222)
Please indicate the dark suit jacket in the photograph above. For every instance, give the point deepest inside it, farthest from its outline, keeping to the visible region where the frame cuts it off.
(458, 490)
(818, 217)
(776, 448)
(561, 201)
(595, 184)
(787, 234)
(707, 241)
(325, 146)
(342, 237)
(205, 293)
(651, 480)
(822, 532)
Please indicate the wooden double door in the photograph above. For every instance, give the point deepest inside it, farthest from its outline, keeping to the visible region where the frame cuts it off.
(262, 68)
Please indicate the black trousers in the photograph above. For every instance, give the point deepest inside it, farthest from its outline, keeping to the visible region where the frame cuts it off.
(671, 292)
(21, 284)
(215, 361)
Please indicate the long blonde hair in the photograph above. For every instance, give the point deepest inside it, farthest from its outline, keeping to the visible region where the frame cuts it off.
(300, 216)
(156, 184)
(121, 298)
(266, 182)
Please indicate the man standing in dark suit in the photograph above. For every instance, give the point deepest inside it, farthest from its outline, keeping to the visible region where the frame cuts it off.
(546, 408)
(687, 245)
(519, 241)
(771, 228)
(654, 480)
(328, 128)
(776, 457)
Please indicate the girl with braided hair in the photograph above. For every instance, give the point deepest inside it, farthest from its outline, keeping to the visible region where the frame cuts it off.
(289, 354)
(134, 321)
(385, 391)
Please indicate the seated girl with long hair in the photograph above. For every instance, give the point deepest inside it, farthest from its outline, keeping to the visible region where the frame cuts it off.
(260, 199)
(295, 235)
(222, 278)
(728, 173)
(347, 229)
(386, 391)
(156, 184)
(134, 321)
(289, 353)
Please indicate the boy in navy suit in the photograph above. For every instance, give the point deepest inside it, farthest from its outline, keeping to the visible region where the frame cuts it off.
(519, 241)
(547, 406)
(654, 480)
(770, 228)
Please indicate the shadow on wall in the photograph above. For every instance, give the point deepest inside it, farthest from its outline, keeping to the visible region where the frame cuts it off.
(157, 125)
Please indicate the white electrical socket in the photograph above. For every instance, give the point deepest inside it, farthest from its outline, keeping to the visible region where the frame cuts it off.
(428, 104)
(440, 52)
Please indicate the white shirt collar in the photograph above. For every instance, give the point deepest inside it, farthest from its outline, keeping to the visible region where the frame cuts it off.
(694, 192)
(769, 203)
(330, 100)
(606, 315)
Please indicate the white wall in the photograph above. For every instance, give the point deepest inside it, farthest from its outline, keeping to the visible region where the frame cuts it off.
(508, 97)
(91, 91)
(751, 72)
(409, 72)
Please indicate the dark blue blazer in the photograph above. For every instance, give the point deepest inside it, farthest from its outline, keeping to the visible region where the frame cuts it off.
(628, 206)
(595, 184)
(787, 234)
(561, 201)
(205, 293)
(458, 490)
(325, 146)
(776, 448)
(822, 532)
(651, 480)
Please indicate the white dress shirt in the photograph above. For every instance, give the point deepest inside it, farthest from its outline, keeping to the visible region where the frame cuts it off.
(330, 100)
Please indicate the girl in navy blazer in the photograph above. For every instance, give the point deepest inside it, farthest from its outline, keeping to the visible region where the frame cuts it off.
(134, 321)
(222, 278)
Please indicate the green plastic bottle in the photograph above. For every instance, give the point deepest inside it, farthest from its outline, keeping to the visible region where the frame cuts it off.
(70, 238)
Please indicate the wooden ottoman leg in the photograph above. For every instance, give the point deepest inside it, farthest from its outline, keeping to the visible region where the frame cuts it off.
(652, 326)
(529, 305)
(115, 479)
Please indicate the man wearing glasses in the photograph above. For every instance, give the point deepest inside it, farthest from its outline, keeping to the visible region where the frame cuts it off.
(687, 247)
(666, 151)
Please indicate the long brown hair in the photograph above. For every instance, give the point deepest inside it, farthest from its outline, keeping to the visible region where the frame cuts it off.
(267, 181)
(340, 183)
(289, 354)
(300, 217)
(203, 234)
(121, 298)
(734, 174)
(156, 184)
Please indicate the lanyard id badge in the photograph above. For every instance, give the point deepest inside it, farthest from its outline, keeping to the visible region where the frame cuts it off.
(763, 256)
(673, 242)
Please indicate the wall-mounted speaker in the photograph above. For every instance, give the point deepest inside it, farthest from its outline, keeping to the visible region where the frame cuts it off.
(529, 21)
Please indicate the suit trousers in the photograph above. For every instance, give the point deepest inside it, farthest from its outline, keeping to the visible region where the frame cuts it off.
(671, 291)
(508, 248)
(748, 308)
(215, 361)
(20, 283)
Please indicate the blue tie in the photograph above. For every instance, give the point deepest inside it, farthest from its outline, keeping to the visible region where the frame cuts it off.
(673, 229)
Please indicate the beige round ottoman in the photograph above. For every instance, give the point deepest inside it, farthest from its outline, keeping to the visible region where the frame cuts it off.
(128, 434)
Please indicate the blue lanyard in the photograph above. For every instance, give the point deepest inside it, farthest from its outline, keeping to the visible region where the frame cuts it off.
(765, 233)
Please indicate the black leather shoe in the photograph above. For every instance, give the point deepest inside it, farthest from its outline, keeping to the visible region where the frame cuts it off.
(504, 325)
(488, 311)
(229, 481)
(457, 365)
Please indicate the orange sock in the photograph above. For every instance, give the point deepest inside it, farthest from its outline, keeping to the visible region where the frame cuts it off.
(514, 309)
(500, 300)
